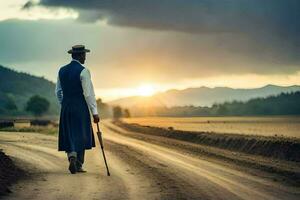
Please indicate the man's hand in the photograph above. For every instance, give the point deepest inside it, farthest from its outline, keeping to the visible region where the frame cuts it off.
(96, 118)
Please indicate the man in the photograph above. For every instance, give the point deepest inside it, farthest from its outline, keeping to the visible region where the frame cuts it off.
(75, 92)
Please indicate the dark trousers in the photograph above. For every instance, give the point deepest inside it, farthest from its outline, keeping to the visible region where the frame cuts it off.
(79, 157)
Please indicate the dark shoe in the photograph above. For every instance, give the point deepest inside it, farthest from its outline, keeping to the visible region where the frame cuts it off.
(72, 165)
(80, 170)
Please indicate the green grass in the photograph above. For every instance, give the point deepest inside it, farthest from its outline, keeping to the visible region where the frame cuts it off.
(49, 130)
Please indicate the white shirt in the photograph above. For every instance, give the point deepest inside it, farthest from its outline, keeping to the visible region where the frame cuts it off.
(87, 86)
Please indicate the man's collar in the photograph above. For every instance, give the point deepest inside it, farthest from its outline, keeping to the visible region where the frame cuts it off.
(77, 61)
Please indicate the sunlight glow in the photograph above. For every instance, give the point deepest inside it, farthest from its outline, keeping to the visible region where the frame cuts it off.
(233, 81)
(145, 90)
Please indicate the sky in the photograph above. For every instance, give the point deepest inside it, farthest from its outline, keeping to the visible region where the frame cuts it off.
(139, 47)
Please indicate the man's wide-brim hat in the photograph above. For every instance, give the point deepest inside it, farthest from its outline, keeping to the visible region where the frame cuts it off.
(78, 49)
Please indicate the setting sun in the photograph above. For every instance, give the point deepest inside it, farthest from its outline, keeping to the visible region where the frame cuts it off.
(145, 90)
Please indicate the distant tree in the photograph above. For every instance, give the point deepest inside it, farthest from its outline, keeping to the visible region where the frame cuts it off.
(117, 112)
(126, 113)
(103, 109)
(20, 87)
(222, 109)
(37, 105)
(10, 104)
(2, 111)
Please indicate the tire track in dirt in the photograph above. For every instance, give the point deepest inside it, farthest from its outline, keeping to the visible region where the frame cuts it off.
(160, 183)
(50, 179)
(208, 180)
(139, 170)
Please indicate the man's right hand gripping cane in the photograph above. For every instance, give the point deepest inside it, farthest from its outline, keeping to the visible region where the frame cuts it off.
(96, 118)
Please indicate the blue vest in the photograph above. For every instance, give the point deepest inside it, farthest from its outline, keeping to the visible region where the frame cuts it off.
(69, 77)
(75, 130)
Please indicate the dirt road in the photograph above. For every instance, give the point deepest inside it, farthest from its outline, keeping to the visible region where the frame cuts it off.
(140, 168)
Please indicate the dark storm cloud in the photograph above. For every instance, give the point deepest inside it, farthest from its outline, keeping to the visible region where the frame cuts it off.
(192, 15)
(266, 31)
(193, 38)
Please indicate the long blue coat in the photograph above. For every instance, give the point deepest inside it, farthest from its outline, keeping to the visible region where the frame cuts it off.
(75, 130)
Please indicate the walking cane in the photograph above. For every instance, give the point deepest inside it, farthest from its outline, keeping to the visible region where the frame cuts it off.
(99, 133)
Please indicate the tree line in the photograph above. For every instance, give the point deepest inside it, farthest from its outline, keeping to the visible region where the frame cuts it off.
(107, 111)
(38, 106)
(283, 104)
(16, 88)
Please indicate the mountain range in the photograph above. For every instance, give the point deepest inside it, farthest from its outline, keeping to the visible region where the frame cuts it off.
(18, 87)
(202, 96)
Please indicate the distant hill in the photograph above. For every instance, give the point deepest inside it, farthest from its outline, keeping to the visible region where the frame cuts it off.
(202, 96)
(282, 104)
(17, 87)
